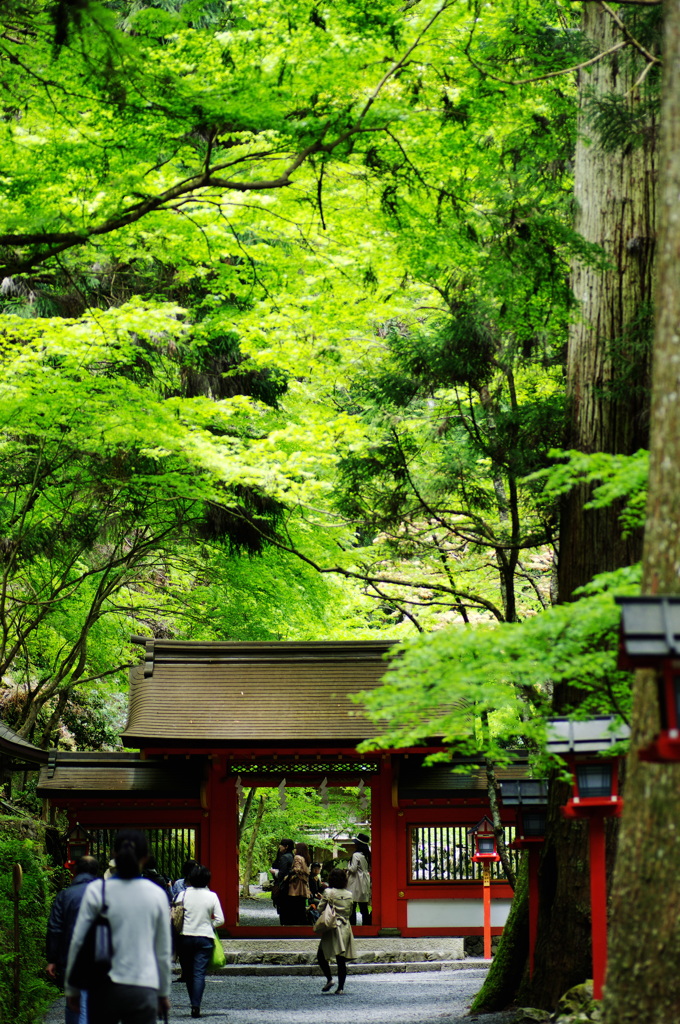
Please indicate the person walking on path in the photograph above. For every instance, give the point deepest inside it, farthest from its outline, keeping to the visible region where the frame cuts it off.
(180, 884)
(60, 927)
(298, 887)
(359, 878)
(202, 914)
(137, 988)
(337, 942)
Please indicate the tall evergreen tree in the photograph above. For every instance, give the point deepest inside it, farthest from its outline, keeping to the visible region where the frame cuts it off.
(642, 982)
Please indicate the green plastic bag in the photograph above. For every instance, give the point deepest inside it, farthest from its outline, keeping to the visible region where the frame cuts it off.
(218, 959)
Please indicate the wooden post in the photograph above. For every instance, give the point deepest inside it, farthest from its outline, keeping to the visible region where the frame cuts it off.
(598, 903)
(222, 852)
(486, 883)
(387, 848)
(17, 881)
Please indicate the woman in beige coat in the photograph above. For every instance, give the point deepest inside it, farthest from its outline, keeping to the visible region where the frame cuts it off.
(298, 887)
(337, 942)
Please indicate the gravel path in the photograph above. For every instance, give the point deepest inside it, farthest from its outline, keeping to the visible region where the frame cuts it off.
(440, 998)
(254, 911)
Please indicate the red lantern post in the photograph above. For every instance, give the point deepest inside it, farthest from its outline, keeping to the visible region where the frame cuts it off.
(595, 797)
(485, 854)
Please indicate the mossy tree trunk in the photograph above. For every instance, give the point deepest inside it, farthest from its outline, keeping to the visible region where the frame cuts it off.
(643, 983)
(510, 961)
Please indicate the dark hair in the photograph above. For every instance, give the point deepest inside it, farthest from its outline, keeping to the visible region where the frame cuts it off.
(302, 850)
(87, 866)
(316, 864)
(199, 877)
(151, 864)
(337, 879)
(188, 867)
(130, 847)
(288, 843)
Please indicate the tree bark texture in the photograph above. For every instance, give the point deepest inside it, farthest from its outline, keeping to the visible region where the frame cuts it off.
(562, 956)
(607, 358)
(643, 982)
(607, 387)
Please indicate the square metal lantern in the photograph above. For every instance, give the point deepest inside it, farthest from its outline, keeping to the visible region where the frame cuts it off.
(530, 798)
(650, 638)
(596, 777)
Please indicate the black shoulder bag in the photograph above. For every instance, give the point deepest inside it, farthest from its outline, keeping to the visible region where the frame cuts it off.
(92, 964)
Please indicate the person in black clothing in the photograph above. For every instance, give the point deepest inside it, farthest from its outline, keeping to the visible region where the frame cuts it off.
(61, 923)
(153, 874)
(280, 870)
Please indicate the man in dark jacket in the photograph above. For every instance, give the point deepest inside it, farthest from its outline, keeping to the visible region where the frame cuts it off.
(61, 924)
(280, 870)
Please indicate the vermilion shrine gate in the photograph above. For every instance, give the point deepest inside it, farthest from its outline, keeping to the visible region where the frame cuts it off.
(203, 715)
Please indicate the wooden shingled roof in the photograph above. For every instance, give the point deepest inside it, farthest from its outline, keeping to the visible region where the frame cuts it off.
(70, 773)
(252, 693)
(16, 747)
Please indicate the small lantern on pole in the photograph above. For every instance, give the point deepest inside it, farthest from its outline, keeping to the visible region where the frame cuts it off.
(650, 638)
(530, 798)
(77, 845)
(595, 796)
(485, 854)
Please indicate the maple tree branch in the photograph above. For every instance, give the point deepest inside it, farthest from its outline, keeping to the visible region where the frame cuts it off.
(549, 74)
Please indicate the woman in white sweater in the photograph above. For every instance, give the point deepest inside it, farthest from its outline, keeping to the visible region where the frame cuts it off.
(359, 878)
(202, 914)
(137, 987)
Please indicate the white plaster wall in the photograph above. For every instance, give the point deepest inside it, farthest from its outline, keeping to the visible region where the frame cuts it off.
(455, 913)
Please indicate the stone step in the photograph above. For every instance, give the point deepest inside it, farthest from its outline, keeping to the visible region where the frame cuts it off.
(393, 967)
(269, 957)
(376, 956)
(292, 952)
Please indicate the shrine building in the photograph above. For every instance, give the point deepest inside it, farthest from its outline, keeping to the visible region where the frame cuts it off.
(207, 720)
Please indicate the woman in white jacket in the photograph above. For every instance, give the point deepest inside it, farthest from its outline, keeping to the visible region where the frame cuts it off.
(202, 914)
(359, 878)
(137, 987)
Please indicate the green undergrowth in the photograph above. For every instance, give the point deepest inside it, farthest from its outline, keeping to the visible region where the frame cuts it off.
(22, 842)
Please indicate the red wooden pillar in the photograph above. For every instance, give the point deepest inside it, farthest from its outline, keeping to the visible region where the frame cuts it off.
(598, 902)
(221, 855)
(386, 838)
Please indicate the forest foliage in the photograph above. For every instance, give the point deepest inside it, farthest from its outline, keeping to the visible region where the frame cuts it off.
(283, 321)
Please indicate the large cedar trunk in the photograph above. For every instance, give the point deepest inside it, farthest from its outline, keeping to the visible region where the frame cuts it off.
(643, 982)
(607, 384)
(608, 357)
